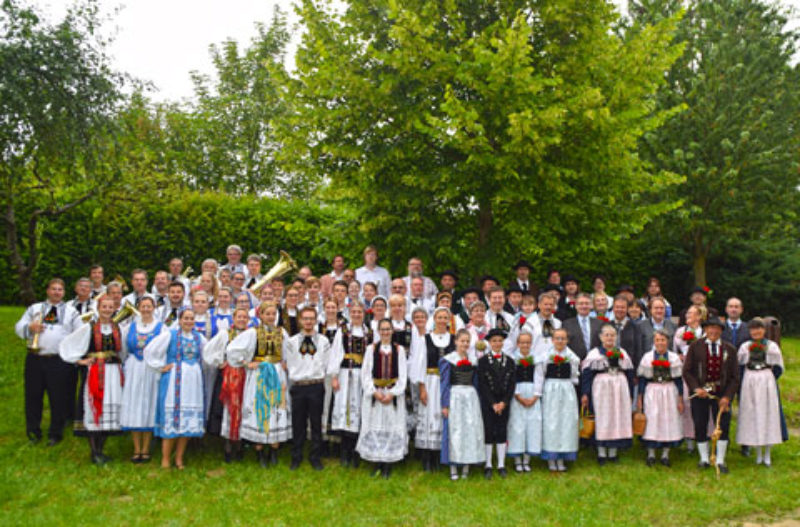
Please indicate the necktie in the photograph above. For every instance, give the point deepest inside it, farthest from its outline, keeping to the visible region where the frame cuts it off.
(713, 349)
(172, 316)
(586, 337)
(525, 287)
(79, 307)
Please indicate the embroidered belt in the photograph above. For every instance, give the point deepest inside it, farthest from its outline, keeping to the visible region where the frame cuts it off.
(432, 371)
(354, 357)
(384, 383)
(102, 355)
(757, 366)
(273, 359)
(663, 380)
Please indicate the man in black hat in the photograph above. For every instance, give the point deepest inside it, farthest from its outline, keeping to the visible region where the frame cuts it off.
(513, 299)
(469, 296)
(449, 281)
(495, 388)
(554, 279)
(698, 297)
(487, 282)
(566, 305)
(711, 373)
(523, 270)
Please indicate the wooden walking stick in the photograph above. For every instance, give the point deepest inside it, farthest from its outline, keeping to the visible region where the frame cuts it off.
(714, 438)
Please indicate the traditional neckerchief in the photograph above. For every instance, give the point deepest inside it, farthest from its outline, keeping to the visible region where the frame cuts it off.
(307, 347)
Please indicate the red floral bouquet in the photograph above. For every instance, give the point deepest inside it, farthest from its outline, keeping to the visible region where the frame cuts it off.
(661, 364)
(522, 320)
(464, 362)
(604, 319)
(525, 362)
(615, 353)
(688, 337)
(757, 347)
(709, 292)
(558, 359)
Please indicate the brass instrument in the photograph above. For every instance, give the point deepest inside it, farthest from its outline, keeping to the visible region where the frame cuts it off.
(284, 264)
(186, 272)
(121, 281)
(125, 312)
(33, 347)
(88, 316)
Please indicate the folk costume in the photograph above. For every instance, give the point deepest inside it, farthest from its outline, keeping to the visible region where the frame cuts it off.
(525, 423)
(45, 371)
(684, 337)
(139, 394)
(560, 407)
(102, 392)
(661, 386)
(496, 383)
(607, 379)
(179, 408)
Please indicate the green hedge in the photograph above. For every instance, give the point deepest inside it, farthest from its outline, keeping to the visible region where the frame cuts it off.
(196, 226)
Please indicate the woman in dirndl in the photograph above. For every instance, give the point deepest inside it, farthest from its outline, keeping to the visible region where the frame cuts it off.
(661, 396)
(560, 404)
(98, 346)
(607, 387)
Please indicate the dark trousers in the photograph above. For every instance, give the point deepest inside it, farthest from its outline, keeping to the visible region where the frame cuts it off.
(700, 413)
(307, 403)
(52, 375)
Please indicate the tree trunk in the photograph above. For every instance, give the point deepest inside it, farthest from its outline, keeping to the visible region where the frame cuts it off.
(699, 254)
(24, 272)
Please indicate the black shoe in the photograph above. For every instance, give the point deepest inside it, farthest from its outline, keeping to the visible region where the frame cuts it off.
(344, 459)
(34, 439)
(613, 459)
(502, 472)
(356, 460)
(387, 471)
(106, 459)
(317, 465)
(746, 451)
(325, 450)
(487, 473)
(703, 464)
(273, 456)
(665, 462)
(650, 461)
(295, 464)
(601, 461)
(53, 441)
(228, 457)
(261, 458)
(99, 459)
(426, 462)
(723, 468)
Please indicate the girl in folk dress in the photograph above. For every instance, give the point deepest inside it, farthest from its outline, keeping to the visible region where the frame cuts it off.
(222, 313)
(177, 353)
(378, 309)
(607, 386)
(346, 359)
(383, 438)
(761, 422)
(560, 404)
(661, 395)
(424, 371)
(684, 336)
(206, 325)
(98, 346)
(462, 431)
(265, 405)
(525, 420)
(328, 326)
(140, 391)
(225, 417)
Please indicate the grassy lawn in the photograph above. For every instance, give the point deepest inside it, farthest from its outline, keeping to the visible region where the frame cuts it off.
(59, 485)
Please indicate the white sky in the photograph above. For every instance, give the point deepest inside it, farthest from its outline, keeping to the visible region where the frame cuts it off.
(163, 40)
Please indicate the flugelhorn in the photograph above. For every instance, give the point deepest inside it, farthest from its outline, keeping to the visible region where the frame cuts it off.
(33, 347)
(284, 264)
(186, 272)
(125, 312)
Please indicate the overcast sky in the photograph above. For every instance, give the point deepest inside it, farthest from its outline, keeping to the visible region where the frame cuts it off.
(163, 40)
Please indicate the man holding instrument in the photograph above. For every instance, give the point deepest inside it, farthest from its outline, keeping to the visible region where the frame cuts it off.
(711, 372)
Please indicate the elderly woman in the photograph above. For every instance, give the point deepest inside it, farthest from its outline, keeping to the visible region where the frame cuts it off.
(607, 386)
(661, 396)
(761, 423)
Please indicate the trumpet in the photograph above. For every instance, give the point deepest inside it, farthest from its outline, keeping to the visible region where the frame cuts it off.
(186, 272)
(88, 316)
(33, 347)
(284, 264)
(125, 312)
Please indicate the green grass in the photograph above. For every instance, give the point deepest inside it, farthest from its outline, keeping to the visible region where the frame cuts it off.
(55, 486)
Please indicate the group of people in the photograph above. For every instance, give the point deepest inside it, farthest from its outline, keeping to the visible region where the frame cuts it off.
(372, 365)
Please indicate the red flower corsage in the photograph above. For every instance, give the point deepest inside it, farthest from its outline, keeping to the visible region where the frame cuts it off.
(525, 362)
(558, 359)
(661, 364)
(603, 319)
(614, 353)
(757, 347)
(464, 362)
(522, 320)
(688, 337)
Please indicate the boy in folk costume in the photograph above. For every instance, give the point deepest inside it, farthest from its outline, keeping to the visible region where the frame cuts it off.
(711, 373)
(496, 388)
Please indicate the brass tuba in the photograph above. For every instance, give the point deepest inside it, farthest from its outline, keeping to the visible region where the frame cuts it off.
(284, 264)
(125, 312)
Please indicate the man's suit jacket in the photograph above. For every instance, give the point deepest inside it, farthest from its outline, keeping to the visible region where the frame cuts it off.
(575, 334)
(741, 335)
(695, 367)
(648, 331)
(631, 340)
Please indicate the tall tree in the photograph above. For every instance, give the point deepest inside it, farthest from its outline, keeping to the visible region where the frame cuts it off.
(58, 98)
(737, 144)
(226, 137)
(472, 131)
